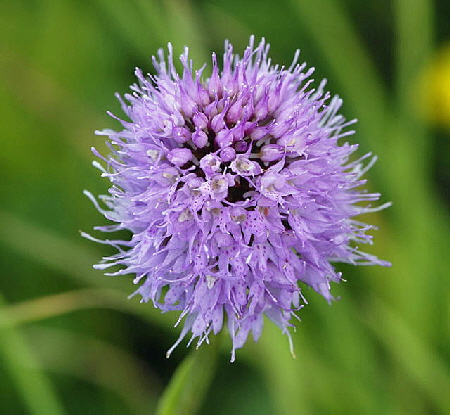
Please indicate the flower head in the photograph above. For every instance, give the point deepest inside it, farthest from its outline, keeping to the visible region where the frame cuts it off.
(235, 190)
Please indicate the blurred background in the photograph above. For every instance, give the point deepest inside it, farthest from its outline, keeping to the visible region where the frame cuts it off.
(71, 342)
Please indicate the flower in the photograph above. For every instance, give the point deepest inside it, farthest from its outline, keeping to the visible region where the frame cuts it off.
(235, 190)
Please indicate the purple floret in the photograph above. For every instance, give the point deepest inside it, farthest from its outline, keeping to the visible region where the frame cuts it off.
(235, 190)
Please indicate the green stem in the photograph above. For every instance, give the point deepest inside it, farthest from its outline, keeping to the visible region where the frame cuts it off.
(414, 40)
(412, 157)
(33, 385)
(190, 382)
(413, 352)
(414, 30)
(339, 43)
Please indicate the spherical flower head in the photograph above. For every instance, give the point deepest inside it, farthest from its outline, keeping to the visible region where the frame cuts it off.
(236, 190)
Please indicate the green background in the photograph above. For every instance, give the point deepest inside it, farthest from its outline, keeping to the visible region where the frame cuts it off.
(71, 342)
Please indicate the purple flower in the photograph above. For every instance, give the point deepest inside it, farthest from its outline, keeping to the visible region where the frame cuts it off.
(236, 192)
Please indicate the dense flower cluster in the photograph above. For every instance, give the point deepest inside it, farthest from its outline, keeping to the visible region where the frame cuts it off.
(235, 191)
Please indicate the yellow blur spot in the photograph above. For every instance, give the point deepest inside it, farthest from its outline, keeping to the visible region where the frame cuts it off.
(435, 88)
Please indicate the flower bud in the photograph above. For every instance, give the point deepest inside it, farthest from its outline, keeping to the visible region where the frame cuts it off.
(224, 138)
(217, 123)
(235, 112)
(200, 120)
(181, 134)
(258, 133)
(278, 129)
(271, 152)
(214, 84)
(261, 108)
(188, 105)
(227, 154)
(179, 156)
(241, 146)
(199, 138)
